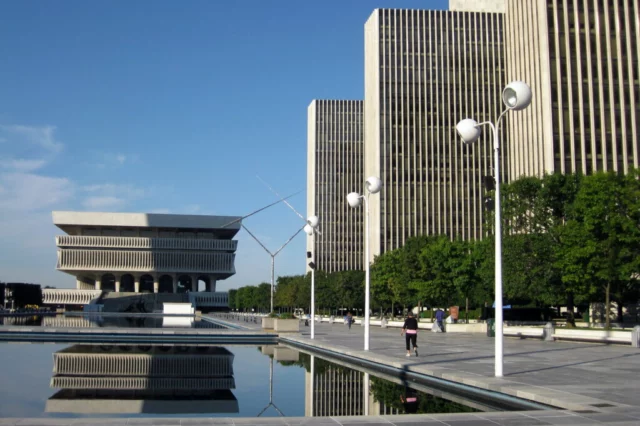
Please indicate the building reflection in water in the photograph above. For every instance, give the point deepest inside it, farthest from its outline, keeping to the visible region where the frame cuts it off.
(332, 390)
(337, 390)
(94, 321)
(142, 379)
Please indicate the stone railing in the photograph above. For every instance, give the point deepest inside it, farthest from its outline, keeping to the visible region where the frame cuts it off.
(68, 241)
(52, 296)
(144, 261)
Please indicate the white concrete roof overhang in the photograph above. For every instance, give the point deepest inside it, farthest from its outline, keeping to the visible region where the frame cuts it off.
(226, 226)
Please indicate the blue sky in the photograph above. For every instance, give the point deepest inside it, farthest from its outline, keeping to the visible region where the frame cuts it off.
(168, 107)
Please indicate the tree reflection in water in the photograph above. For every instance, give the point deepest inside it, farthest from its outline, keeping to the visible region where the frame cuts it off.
(411, 401)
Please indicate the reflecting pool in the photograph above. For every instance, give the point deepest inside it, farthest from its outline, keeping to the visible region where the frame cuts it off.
(108, 321)
(53, 380)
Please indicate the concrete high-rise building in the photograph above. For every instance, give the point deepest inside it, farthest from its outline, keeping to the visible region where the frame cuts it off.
(424, 71)
(335, 168)
(581, 59)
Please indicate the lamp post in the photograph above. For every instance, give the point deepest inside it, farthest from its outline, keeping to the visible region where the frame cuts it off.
(373, 185)
(310, 229)
(516, 96)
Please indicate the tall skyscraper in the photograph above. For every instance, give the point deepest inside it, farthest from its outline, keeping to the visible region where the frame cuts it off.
(424, 71)
(581, 59)
(334, 168)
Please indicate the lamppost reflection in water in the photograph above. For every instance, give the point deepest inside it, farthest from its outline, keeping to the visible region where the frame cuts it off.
(142, 379)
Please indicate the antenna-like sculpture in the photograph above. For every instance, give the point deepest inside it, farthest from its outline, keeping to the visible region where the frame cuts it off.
(310, 228)
(260, 209)
(273, 256)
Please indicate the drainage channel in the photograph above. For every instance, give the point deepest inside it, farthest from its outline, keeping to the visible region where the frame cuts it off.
(488, 400)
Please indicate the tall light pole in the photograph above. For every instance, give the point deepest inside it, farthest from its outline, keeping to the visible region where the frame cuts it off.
(310, 229)
(373, 186)
(516, 96)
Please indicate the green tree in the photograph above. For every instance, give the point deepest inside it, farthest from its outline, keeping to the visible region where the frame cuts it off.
(263, 297)
(438, 262)
(285, 292)
(601, 237)
(232, 298)
(349, 287)
(535, 214)
(388, 279)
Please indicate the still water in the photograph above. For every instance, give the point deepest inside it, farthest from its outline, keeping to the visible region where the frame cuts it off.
(107, 321)
(54, 380)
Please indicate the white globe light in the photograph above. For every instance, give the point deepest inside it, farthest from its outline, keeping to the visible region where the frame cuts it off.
(354, 199)
(313, 221)
(517, 95)
(468, 130)
(308, 229)
(374, 185)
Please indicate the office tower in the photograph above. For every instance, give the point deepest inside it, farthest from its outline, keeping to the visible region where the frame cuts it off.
(581, 59)
(424, 71)
(334, 168)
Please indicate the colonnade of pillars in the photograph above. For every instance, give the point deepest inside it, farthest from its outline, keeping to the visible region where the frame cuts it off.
(147, 283)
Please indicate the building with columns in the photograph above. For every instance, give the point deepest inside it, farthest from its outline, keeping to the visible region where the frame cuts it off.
(146, 252)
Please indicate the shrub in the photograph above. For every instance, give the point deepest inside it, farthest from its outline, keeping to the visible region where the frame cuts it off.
(287, 315)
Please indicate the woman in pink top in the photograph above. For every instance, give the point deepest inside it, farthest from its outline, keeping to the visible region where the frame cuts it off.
(410, 328)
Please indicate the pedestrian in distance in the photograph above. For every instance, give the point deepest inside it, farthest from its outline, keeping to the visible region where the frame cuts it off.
(440, 319)
(410, 330)
(349, 320)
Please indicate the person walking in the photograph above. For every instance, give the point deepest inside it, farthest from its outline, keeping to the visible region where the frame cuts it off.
(410, 329)
(440, 319)
(349, 319)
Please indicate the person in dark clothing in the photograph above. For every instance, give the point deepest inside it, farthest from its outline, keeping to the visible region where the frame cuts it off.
(349, 320)
(410, 328)
(440, 319)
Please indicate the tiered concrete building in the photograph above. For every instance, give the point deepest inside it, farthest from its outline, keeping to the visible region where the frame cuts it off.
(335, 168)
(153, 253)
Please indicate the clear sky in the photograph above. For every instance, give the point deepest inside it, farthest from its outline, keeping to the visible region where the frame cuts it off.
(167, 107)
